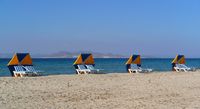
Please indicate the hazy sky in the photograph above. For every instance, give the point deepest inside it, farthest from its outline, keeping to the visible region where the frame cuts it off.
(147, 27)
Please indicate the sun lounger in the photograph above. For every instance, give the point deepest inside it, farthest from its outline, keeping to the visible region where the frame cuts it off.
(32, 69)
(182, 67)
(21, 72)
(82, 70)
(134, 69)
(92, 69)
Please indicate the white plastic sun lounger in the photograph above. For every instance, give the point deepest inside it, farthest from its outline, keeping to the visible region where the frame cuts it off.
(82, 70)
(182, 67)
(32, 69)
(136, 69)
(20, 71)
(92, 69)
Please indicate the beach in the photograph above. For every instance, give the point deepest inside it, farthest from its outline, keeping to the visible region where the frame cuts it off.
(158, 90)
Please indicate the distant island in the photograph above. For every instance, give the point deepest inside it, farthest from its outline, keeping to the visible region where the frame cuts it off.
(65, 54)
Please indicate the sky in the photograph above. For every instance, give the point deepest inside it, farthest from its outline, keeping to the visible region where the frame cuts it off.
(161, 28)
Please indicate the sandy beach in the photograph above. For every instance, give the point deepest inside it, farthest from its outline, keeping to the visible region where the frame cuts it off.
(168, 90)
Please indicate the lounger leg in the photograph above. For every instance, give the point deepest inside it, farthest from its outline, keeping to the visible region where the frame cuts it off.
(15, 75)
(129, 71)
(21, 75)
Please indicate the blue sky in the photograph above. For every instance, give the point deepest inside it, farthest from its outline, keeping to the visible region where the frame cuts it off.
(147, 27)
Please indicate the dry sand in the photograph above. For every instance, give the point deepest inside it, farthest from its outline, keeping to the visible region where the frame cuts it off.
(167, 90)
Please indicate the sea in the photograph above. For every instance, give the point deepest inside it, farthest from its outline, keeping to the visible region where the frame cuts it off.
(107, 65)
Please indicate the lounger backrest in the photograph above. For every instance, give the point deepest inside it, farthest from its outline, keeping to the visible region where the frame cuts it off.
(19, 68)
(91, 67)
(177, 65)
(134, 66)
(30, 68)
(181, 66)
(81, 67)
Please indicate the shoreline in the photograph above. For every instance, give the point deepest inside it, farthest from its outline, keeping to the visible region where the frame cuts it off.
(157, 72)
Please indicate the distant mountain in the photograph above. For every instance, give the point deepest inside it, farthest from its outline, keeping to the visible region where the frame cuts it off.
(65, 54)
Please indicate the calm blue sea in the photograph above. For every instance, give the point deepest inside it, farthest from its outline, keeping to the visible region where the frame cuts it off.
(65, 66)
